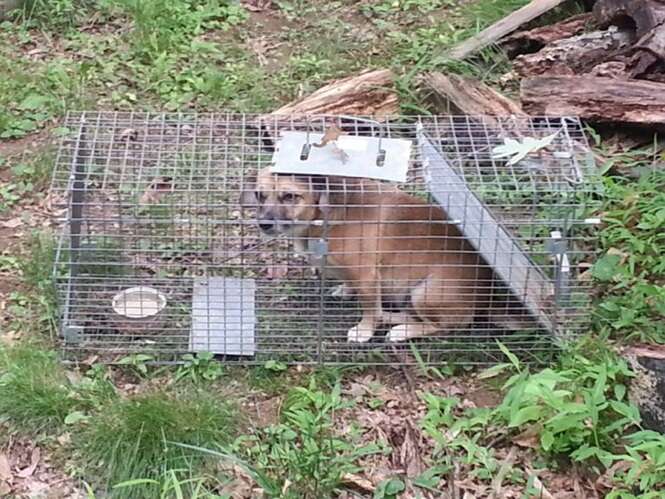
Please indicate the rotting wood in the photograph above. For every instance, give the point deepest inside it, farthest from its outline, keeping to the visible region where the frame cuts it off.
(534, 39)
(642, 15)
(452, 94)
(647, 18)
(575, 55)
(501, 28)
(370, 93)
(648, 56)
(596, 99)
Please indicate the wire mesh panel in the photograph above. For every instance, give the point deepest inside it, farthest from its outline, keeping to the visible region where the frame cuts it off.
(180, 238)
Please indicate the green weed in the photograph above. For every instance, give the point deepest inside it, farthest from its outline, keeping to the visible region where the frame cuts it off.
(163, 27)
(33, 308)
(632, 303)
(54, 14)
(302, 456)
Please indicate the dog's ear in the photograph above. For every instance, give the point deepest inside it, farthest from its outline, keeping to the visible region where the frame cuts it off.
(248, 192)
(321, 186)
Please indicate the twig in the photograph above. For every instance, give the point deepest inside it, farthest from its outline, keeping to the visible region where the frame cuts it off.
(405, 370)
(501, 474)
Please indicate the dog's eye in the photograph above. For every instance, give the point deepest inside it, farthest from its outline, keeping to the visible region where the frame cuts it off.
(289, 197)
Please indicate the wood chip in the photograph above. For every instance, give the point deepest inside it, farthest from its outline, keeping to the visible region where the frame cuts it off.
(358, 482)
(5, 468)
(12, 223)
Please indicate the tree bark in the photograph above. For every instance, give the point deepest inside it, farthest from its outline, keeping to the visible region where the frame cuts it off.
(532, 40)
(575, 55)
(452, 94)
(595, 99)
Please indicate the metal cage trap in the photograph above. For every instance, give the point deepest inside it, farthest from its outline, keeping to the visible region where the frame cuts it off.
(321, 239)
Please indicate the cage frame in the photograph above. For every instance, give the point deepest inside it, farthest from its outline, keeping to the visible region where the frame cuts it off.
(74, 219)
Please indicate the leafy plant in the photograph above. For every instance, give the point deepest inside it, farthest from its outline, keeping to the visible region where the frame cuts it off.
(199, 367)
(162, 27)
(138, 362)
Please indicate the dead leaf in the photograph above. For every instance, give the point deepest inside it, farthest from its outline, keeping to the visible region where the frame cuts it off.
(129, 134)
(340, 153)
(256, 5)
(410, 453)
(277, 271)
(74, 377)
(621, 254)
(506, 466)
(34, 461)
(5, 489)
(529, 439)
(12, 223)
(5, 469)
(331, 135)
(540, 488)
(64, 439)
(90, 360)
(158, 186)
(261, 47)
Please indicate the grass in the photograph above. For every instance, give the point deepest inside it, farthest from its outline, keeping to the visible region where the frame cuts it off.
(34, 392)
(139, 437)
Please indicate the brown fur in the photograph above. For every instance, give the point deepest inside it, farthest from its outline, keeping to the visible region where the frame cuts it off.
(384, 246)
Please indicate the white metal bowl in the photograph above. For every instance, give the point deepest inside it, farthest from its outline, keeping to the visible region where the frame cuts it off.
(140, 302)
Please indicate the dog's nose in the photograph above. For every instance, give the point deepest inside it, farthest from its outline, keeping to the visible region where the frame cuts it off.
(266, 226)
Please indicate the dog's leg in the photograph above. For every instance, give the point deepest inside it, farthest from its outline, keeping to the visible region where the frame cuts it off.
(369, 296)
(397, 318)
(342, 291)
(404, 332)
(441, 306)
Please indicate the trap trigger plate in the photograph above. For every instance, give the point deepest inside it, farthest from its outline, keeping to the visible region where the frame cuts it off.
(348, 156)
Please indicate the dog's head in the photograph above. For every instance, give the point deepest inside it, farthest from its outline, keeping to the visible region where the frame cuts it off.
(286, 204)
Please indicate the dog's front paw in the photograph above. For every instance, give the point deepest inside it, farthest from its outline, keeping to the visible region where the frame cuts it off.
(398, 333)
(360, 334)
(342, 291)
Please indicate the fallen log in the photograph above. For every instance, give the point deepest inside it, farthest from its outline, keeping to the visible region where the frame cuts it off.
(575, 55)
(596, 99)
(452, 94)
(501, 28)
(533, 40)
(370, 93)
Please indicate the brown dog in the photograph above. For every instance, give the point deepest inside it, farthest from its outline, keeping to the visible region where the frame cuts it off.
(389, 248)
